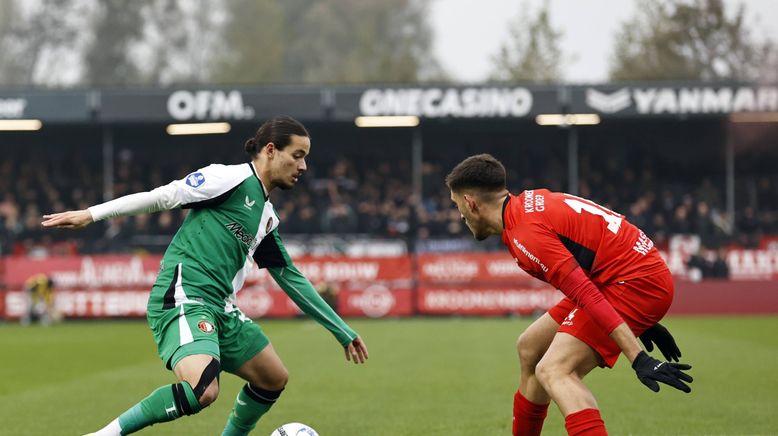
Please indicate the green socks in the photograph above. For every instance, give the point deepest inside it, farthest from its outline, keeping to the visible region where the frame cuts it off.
(251, 404)
(164, 404)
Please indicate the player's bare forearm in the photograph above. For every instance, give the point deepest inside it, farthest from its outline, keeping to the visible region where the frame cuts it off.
(74, 219)
(626, 340)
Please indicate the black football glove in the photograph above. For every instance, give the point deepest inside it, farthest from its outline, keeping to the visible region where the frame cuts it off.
(658, 334)
(650, 371)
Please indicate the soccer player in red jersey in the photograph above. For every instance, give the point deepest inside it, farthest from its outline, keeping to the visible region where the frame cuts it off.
(615, 282)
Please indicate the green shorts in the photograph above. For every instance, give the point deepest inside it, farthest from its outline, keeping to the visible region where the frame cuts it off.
(193, 328)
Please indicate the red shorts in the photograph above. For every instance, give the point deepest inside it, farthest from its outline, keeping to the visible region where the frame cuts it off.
(641, 302)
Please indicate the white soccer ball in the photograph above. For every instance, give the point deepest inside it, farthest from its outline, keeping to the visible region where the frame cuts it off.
(294, 429)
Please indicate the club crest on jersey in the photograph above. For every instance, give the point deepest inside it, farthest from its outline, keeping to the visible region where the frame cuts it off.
(205, 327)
(195, 179)
(269, 226)
(569, 319)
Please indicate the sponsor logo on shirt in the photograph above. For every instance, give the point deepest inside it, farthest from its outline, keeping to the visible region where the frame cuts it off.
(644, 244)
(195, 179)
(241, 234)
(533, 203)
(529, 255)
(248, 203)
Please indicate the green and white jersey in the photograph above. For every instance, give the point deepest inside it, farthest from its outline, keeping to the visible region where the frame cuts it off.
(231, 227)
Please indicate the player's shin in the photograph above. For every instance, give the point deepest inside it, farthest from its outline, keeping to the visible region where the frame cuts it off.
(164, 404)
(251, 404)
(528, 417)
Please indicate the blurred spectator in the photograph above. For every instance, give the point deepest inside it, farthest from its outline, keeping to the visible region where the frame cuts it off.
(39, 290)
(749, 230)
(708, 263)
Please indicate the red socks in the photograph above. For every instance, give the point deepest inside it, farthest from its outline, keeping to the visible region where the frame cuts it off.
(528, 417)
(586, 422)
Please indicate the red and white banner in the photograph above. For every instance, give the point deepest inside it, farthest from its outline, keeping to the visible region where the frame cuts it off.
(375, 301)
(80, 272)
(492, 267)
(498, 300)
(458, 283)
(126, 272)
(344, 270)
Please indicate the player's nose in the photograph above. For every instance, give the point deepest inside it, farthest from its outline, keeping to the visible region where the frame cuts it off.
(302, 166)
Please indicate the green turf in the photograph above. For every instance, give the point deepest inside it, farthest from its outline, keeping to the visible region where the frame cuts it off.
(425, 376)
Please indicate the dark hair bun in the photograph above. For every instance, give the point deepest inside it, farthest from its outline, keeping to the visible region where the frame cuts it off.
(251, 146)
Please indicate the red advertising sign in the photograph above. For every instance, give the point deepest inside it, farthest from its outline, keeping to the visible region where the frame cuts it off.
(128, 272)
(254, 302)
(84, 272)
(375, 301)
(479, 268)
(497, 300)
(345, 270)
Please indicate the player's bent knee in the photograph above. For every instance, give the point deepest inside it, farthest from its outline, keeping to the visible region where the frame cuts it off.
(207, 388)
(277, 381)
(545, 372)
(209, 395)
(529, 352)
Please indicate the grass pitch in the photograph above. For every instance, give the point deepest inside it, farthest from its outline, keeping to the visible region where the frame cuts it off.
(442, 376)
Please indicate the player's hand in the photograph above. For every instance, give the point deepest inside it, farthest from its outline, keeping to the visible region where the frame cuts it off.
(650, 371)
(74, 219)
(658, 334)
(356, 351)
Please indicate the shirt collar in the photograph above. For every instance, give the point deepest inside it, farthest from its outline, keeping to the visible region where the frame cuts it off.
(505, 205)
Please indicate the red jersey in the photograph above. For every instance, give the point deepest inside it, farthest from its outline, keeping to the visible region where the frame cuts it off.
(552, 233)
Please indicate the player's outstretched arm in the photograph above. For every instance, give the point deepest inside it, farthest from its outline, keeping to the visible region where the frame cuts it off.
(650, 371)
(356, 351)
(73, 219)
(659, 335)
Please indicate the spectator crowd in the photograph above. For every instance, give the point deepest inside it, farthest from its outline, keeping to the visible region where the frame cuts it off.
(349, 194)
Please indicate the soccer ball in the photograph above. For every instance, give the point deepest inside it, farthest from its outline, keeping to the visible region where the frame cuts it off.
(294, 429)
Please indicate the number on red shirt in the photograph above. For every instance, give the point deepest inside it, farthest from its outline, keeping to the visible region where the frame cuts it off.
(579, 204)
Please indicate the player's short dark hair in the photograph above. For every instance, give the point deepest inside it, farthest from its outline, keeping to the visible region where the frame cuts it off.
(481, 172)
(277, 130)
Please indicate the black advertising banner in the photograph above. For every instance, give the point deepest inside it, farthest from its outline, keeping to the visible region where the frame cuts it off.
(696, 99)
(475, 102)
(45, 106)
(202, 105)
(310, 103)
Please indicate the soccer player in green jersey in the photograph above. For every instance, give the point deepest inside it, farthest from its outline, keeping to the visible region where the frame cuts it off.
(192, 311)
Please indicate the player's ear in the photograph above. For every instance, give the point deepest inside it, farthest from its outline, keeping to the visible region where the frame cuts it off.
(270, 149)
(471, 202)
